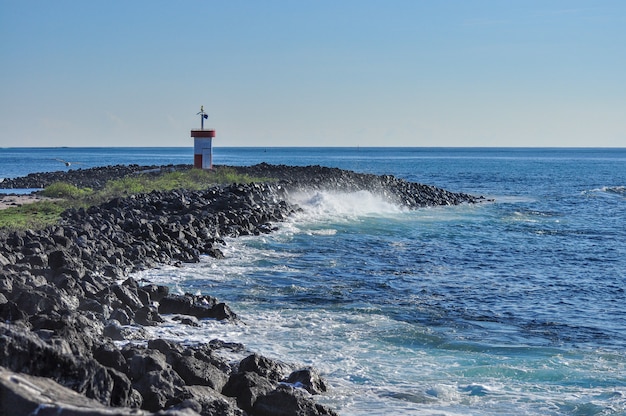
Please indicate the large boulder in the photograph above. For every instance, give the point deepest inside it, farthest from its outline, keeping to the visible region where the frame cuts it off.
(195, 305)
(208, 402)
(289, 401)
(22, 394)
(246, 388)
(24, 351)
(198, 372)
(265, 367)
(307, 379)
(160, 389)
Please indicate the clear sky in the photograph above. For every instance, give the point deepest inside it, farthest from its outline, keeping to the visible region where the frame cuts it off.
(313, 73)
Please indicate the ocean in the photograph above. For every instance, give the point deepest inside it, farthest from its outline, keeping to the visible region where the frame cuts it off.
(511, 307)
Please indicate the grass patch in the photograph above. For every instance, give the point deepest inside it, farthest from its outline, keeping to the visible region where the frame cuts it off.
(66, 190)
(43, 213)
(193, 179)
(34, 216)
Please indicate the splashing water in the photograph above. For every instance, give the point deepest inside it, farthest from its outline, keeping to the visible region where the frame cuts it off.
(325, 204)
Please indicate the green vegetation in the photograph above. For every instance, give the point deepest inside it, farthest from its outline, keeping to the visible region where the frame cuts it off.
(66, 190)
(33, 216)
(194, 179)
(43, 213)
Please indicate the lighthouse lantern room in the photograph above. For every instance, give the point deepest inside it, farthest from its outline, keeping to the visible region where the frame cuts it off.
(202, 144)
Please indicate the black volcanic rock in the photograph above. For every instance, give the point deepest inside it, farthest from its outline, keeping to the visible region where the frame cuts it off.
(307, 379)
(286, 400)
(23, 394)
(94, 178)
(24, 351)
(398, 191)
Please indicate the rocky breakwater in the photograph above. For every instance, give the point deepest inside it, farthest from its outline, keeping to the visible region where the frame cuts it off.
(395, 190)
(70, 313)
(65, 300)
(94, 178)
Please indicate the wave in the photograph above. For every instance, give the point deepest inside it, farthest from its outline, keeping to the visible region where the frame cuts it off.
(347, 205)
(612, 190)
(620, 190)
(326, 231)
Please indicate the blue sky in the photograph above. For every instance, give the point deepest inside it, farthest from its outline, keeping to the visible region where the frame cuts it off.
(313, 73)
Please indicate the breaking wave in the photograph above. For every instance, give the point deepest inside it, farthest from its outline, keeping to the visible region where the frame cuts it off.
(346, 205)
(611, 190)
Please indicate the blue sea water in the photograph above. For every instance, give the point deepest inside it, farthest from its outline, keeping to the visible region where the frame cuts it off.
(512, 307)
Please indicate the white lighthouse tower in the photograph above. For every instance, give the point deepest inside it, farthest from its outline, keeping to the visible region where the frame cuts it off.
(202, 144)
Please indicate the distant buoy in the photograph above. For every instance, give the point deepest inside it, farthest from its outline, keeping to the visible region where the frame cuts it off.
(68, 164)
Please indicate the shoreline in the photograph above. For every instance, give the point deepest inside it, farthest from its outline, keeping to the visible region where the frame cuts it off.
(60, 298)
(15, 200)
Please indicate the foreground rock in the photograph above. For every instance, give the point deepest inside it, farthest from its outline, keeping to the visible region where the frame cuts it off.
(65, 299)
(21, 394)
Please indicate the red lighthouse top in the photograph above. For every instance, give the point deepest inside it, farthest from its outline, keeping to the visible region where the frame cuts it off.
(202, 133)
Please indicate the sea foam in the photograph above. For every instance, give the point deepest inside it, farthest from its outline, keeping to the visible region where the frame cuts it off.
(349, 205)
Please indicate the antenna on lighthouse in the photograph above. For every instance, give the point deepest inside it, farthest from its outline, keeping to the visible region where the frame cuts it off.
(203, 116)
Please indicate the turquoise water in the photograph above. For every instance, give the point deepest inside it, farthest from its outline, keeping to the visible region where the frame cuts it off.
(511, 307)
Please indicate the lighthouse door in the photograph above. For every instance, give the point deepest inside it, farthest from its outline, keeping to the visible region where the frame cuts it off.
(207, 162)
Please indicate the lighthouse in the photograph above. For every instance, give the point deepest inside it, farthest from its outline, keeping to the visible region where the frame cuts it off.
(202, 144)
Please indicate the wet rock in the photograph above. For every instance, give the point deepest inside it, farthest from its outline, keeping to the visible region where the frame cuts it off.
(198, 372)
(197, 306)
(143, 361)
(118, 332)
(270, 369)
(193, 364)
(156, 292)
(288, 401)
(148, 316)
(109, 355)
(206, 401)
(187, 320)
(307, 379)
(168, 348)
(256, 376)
(160, 389)
(246, 388)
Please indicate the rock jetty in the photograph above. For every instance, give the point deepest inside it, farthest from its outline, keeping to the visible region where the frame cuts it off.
(72, 337)
(94, 178)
